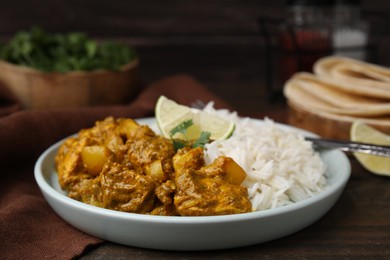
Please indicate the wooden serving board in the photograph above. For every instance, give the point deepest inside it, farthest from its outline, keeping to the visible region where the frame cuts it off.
(329, 125)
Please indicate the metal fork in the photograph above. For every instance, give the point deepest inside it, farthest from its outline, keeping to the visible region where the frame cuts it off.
(348, 146)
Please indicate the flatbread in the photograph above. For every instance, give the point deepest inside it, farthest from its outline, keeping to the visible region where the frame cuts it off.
(340, 91)
(355, 77)
(318, 95)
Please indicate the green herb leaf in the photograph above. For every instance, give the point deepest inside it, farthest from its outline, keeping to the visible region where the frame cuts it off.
(202, 140)
(182, 127)
(91, 48)
(178, 144)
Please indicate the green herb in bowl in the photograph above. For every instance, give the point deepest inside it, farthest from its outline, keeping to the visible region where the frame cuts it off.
(54, 52)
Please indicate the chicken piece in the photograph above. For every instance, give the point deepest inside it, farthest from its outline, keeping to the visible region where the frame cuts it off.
(88, 191)
(164, 206)
(126, 190)
(165, 210)
(81, 157)
(137, 162)
(226, 168)
(148, 152)
(69, 164)
(165, 192)
(202, 190)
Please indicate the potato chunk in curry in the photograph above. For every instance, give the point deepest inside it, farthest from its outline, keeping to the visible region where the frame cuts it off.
(121, 165)
(203, 190)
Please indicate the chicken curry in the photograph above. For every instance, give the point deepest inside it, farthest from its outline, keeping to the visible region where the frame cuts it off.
(121, 165)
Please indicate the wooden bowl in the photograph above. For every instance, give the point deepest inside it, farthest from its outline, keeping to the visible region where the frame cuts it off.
(329, 125)
(38, 90)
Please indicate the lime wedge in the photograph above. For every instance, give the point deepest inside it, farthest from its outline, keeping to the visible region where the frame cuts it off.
(361, 132)
(170, 114)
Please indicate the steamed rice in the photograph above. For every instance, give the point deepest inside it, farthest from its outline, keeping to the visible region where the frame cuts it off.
(282, 168)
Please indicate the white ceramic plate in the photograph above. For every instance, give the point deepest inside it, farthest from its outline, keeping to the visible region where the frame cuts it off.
(192, 233)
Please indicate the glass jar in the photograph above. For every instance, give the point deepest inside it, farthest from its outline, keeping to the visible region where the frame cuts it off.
(305, 35)
(350, 34)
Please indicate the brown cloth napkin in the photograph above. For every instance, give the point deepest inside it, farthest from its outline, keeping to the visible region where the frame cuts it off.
(29, 228)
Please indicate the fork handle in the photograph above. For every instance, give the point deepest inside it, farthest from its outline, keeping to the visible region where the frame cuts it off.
(348, 146)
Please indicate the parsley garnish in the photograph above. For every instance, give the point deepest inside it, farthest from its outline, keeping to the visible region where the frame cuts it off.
(182, 128)
(203, 139)
(64, 52)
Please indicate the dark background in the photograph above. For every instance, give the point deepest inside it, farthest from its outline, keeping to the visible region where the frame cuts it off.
(218, 42)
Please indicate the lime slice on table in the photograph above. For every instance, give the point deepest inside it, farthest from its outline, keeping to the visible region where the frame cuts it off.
(361, 132)
(170, 114)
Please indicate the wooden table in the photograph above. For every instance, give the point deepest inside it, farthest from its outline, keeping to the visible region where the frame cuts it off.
(358, 226)
(218, 43)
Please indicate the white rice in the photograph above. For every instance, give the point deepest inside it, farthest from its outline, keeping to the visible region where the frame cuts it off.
(282, 168)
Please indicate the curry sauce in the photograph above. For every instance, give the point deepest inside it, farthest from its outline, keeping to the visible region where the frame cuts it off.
(120, 165)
